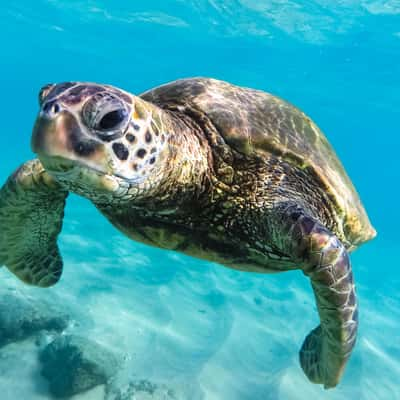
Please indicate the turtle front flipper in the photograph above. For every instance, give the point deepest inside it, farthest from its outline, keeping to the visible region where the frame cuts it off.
(325, 261)
(31, 212)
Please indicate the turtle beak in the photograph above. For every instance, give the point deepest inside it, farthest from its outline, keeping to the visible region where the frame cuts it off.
(57, 134)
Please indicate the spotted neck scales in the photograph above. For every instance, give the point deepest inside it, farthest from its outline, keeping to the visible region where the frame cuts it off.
(168, 149)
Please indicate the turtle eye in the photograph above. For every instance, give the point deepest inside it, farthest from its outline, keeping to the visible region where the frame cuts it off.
(106, 114)
(112, 119)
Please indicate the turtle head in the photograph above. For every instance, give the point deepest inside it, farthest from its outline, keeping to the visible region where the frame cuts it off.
(96, 137)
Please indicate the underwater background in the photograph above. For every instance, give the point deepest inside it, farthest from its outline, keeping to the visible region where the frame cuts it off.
(177, 327)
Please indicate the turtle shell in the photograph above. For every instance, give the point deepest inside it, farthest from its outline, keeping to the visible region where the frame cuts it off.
(253, 121)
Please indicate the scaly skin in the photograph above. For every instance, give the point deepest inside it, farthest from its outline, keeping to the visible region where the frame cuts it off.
(31, 213)
(325, 261)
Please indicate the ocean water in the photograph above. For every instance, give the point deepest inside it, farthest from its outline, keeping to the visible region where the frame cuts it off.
(197, 329)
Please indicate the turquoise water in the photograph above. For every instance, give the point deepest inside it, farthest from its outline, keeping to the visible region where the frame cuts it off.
(196, 328)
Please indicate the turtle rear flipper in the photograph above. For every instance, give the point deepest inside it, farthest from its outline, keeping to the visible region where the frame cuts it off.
(31, 213)
(324, 259)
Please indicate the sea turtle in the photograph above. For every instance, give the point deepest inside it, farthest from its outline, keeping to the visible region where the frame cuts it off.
(200, 166)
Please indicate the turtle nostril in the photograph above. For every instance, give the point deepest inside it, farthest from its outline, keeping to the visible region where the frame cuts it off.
(55, 108)
(51, 108)
(46, 107)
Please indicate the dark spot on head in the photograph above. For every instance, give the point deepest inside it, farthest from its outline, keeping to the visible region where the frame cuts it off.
(85, 148)
(152, 160)
(162, 138)
(135, 166)
(153, 150)
(141, 153)
(81, 146)
(76, 142)
(120, 151)
(147, 137)
(136, 127)
(130, 138)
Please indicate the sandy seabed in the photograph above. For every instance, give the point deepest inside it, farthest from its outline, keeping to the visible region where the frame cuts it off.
(192, 329)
